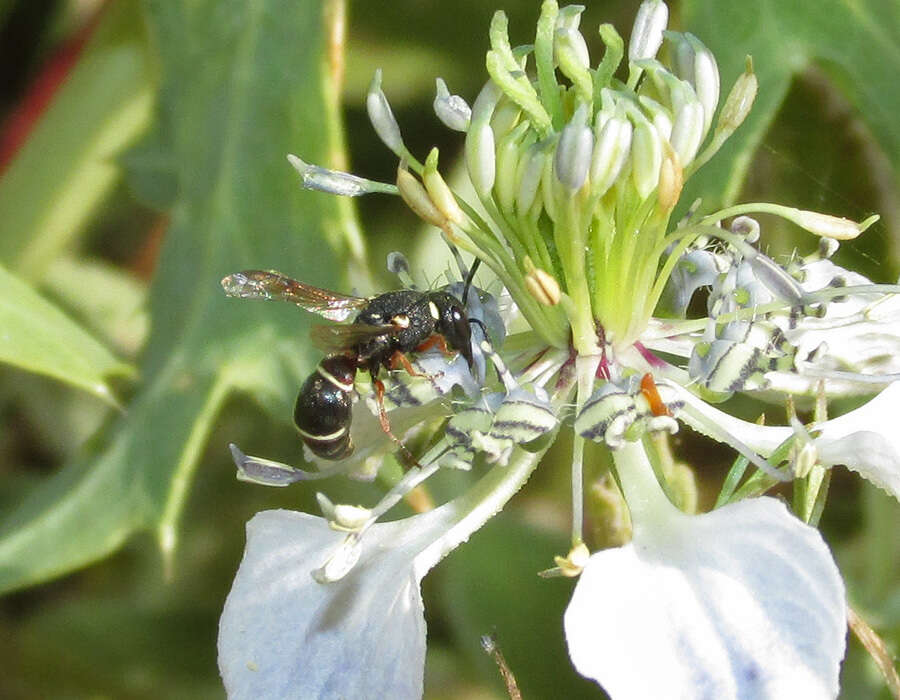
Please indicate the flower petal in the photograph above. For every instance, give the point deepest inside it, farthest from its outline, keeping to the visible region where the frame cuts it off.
(866, 440)
(742, 602)
(284, 635)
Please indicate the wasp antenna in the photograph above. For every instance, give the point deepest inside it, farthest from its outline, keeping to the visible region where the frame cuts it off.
(479, 322)
(456, 255)
(469, 278)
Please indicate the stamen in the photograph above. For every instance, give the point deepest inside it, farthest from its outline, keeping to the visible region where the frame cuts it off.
(267, 472)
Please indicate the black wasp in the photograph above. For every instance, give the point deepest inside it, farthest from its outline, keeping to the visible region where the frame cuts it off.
(385, 328)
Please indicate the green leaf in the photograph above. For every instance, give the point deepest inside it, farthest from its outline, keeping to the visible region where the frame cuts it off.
(40, 338)
(857, 44)
(473, 589)
(109, 299)
(242, 86)
(68, 165)
(118, 648)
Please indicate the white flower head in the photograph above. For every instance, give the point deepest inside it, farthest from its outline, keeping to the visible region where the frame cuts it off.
(575, 174)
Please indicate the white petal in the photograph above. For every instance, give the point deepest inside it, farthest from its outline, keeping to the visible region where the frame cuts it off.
(743, 602)
(283, 635)
(867, 440)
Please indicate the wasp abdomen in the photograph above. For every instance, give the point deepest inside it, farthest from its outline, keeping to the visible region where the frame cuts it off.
(324, 407)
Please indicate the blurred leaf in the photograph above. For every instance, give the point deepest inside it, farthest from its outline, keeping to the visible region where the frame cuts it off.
(241, 87)
(67, 166)
(104, 647)
(40, 338)
(109, 299)
(151, 170)
(474, 587)
(857, 44)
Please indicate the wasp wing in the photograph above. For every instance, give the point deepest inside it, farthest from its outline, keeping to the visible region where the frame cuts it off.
(339, 338)
(269, 284)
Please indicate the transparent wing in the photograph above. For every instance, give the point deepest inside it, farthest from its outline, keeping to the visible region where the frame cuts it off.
(269, 284)
(340, 338)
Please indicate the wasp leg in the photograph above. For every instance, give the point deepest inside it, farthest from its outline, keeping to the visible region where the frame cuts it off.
(438, 340)
(382, 414)
(385, 424)
(398, 360)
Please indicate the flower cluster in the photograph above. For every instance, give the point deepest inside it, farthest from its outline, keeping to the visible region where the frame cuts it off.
(576, 167)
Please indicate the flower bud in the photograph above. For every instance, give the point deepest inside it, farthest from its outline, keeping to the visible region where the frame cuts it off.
(696, 64)
(573, 151)
(452, 110)
(805, 459)
(659, 116)
(509, 151)
(671, 180)
(438, 190)
(550, 187)
(611, 149)
(506, 115)
(480, 156)
(570, 42)
(829, 226)
(569, 17)
(647, 33)
(531, 167)
(543, 286)
(739, 101)
(574, 61)
(382, 117)
(688, 131)
(646, 158)
(417, 199)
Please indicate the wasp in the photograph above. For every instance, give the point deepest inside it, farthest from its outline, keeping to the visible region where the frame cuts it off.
(385, 328)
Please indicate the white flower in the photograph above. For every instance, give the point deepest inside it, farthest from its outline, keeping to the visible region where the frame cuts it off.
(742, 602)
(574, 184)
(285, 634)
(866, 440)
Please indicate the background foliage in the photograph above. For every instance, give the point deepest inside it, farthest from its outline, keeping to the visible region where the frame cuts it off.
(142, 155)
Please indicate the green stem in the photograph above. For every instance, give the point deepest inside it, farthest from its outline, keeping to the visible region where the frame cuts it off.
(647, 502)
(585, 370)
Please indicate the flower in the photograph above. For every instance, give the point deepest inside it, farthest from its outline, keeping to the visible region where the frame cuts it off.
(575, 175)
(357, 628)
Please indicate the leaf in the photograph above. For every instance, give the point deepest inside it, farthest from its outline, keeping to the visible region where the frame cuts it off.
(109, 299)
(473, 586)
(40, 338)
(856, 43)
(68, 165)
(241, 88)
(153, 651)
